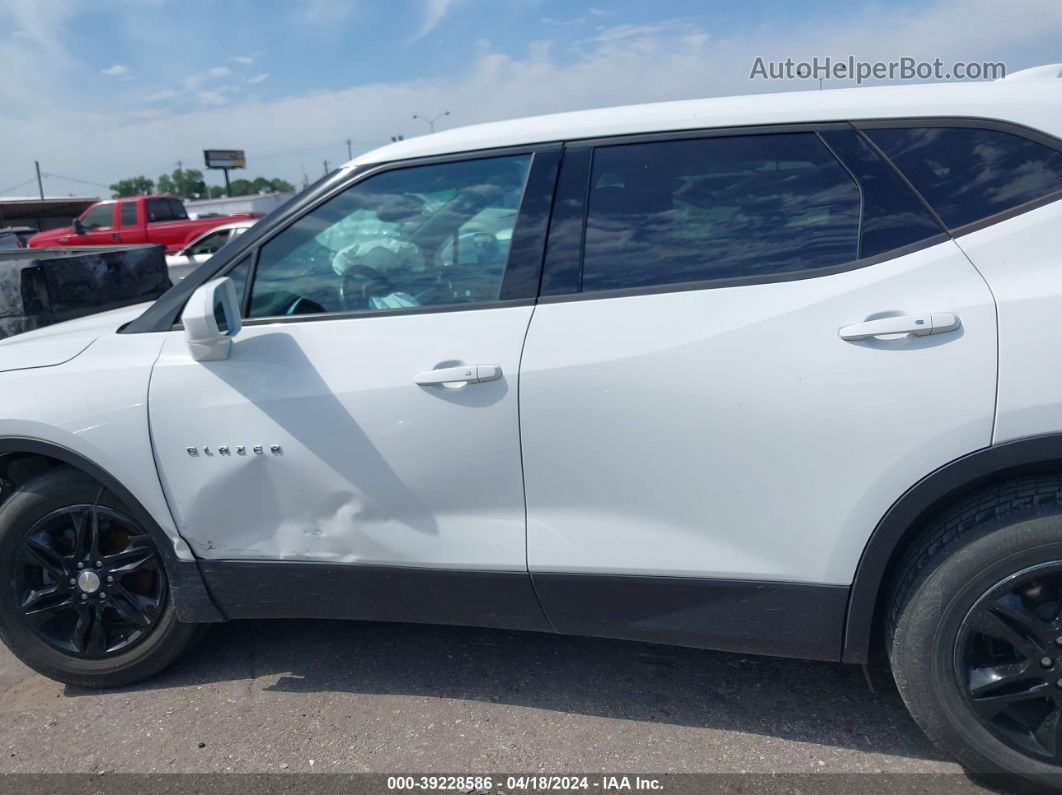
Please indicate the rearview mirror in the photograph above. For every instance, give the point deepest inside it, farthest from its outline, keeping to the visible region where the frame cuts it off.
(211, 319)
(79, 228)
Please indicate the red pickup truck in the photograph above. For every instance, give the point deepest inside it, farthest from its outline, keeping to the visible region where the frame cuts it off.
(138, 219)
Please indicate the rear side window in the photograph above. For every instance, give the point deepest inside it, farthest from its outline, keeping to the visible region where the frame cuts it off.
(158, 210)
(166, 210)
(129, 214)
(716, 208)
(967, 174)
(893, 217)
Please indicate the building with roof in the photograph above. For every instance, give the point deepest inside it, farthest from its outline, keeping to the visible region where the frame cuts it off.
(51, 212)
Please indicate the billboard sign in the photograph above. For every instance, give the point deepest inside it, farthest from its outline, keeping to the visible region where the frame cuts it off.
(225, 158)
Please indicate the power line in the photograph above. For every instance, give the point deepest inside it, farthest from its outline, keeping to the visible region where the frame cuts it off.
(19, 185)
(73, 179)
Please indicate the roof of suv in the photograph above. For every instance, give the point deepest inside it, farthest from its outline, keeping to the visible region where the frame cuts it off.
(1032, 97)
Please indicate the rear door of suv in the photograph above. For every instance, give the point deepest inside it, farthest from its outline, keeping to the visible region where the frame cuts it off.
(714, 413)
(998, 188)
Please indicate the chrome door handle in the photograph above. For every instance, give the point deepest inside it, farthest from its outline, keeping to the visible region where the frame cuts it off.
(917, 325)
(469, 374)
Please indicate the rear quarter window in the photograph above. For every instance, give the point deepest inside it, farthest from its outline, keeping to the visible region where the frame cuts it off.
(968, 174)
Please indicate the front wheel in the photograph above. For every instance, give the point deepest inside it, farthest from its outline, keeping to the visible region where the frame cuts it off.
(84, 598)
(975, 630)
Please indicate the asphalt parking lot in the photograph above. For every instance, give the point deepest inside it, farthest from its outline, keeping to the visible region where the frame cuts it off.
(323, 696)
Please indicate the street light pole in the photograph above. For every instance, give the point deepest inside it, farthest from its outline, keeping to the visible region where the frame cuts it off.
(431, 122)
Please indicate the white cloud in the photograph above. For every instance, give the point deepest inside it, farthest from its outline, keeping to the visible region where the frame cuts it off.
(161, 95)
(212, 97)
(434, 13)
(197, 79)
(40, 23)
(118, 70)
(623, 64)
(258, 78)
(244, 59)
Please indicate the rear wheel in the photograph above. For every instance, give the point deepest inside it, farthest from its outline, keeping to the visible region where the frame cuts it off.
(975, 630)
(85, 598)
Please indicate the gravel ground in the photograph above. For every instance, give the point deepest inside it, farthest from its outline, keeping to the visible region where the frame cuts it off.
(322, 696)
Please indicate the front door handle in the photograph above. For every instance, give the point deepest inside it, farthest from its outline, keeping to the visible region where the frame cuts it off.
(467, 374)
(917, 325)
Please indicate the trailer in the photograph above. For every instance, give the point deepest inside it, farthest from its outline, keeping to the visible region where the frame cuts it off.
(39, 287)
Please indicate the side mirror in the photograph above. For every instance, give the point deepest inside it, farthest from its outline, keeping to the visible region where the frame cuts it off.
(211, 319)
(79, 228)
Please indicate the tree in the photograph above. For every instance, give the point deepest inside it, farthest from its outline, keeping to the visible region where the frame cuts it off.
(184, 182)
(248, 187)
(134, 186)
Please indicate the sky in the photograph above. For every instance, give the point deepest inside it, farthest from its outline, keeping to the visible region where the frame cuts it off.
(99, 90)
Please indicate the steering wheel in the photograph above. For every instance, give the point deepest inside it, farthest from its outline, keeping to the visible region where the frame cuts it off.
(359, 284)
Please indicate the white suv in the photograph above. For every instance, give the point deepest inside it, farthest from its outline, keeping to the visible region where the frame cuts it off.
(775, 374)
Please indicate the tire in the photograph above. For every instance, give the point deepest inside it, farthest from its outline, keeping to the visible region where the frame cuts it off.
(65, 620)
(973, 633)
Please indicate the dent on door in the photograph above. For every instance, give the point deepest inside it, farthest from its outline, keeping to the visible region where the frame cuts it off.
(313, 441)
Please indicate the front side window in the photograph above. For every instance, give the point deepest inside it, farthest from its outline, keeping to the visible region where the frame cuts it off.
(967, 174)
(99, 217)
(716, 208)
(432, 235)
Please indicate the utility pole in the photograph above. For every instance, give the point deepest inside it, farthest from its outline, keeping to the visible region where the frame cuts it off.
(431, 122)
(40, 185)
(349, 155)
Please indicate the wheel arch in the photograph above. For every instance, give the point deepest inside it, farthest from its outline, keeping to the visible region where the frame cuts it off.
(903, 522)
(190, 595)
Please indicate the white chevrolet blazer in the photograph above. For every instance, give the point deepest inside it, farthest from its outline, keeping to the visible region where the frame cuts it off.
(771, 374)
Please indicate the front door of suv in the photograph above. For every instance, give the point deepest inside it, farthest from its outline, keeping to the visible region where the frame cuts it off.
(705, 455)
(368, 411)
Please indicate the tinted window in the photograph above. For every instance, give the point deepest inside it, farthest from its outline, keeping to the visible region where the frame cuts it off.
(422, 236)
(714, 208)
(177, 210)
(159, 210)
(892, 215)
(209, 243)
(239, 273)
(967, 174)
(99, 217)
(129, 214)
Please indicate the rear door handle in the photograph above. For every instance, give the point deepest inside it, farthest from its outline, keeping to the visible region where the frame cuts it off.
(917, 325)
(468, 374)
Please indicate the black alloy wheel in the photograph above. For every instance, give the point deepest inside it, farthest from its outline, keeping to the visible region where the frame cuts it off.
(1008, 655)
(89, 581)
